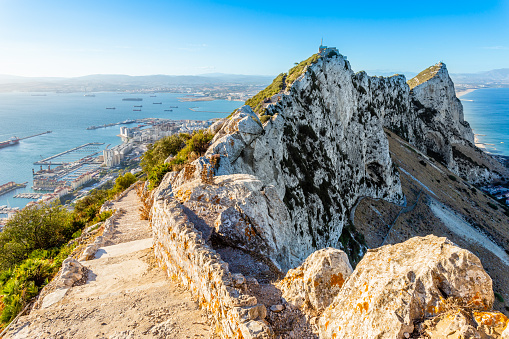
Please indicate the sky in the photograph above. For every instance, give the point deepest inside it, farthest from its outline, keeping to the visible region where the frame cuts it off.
(68, 38)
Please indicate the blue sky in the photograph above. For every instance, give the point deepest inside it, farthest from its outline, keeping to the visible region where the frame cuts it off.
(74, 38)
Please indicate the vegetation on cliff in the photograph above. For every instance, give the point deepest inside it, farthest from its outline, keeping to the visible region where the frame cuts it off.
(184, 148)
(425, 75)
(280, 83)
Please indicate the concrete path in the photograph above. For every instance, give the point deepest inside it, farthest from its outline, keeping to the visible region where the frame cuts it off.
(126, 295)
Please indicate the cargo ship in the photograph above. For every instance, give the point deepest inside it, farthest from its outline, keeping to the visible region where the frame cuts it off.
(10, 142)
(132, 99)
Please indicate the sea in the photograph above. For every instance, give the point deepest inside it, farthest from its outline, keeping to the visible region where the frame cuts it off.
(68, 115)
(487, 111)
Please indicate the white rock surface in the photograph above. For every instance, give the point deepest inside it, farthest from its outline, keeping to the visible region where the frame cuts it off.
(313, 285)
(395, 285)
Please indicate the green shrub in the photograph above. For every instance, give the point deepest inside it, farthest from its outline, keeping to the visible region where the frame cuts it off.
(193, 146)
(277, 85)
(157, 174)
(499, 297)
(265, 118)
(123, 182)
(297, 70)
(22, 283)
(86, 209)
(162, 149)
(282, 81)
(33, 228)
(452, 177)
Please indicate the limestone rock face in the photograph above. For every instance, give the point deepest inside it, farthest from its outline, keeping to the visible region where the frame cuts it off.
(430, 116)
(313, 285)
(438, 94)
(245, 213)
(395, 285)
(322, 150)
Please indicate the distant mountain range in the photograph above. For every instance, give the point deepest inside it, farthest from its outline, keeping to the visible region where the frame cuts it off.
(490, 78)
(119, 82)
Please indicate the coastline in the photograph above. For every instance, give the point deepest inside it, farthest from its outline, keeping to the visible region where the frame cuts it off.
(193, 99)
(466, 91)
(479, 144)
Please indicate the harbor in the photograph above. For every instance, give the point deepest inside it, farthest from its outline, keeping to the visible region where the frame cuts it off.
(91, 148)
(68, 115)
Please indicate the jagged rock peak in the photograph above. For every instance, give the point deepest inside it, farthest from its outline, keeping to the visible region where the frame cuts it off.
(426, 75)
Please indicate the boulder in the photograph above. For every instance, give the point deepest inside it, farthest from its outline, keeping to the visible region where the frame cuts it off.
(71, 272)
(395, 285)
(313, 285)
(457, 324)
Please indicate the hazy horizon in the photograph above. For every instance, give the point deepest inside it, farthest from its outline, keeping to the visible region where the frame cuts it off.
(70, 39)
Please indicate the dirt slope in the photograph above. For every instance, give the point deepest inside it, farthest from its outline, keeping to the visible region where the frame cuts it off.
(440, 203)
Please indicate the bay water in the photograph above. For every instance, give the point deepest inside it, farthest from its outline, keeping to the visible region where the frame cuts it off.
(487, 111)
(68, 115)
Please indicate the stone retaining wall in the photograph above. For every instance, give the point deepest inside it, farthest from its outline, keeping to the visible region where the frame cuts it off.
(186, 258)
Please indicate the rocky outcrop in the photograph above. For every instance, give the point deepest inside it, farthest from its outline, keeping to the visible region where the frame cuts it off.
(462, 324)
(395, 286)
(278, 191)
(244, 213)
(430, 116)
(322, 150)
(324, 147)
(313, 285)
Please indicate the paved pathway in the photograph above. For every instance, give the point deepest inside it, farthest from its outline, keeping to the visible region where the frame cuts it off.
(125, 296)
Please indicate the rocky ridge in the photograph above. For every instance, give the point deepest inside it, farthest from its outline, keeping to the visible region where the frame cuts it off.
(273, 193)
(324, 147)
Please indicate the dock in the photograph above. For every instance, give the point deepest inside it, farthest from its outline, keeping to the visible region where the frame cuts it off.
(28, 195)
(48, 161)
(126, 122)
(35, 135)
(194, 109)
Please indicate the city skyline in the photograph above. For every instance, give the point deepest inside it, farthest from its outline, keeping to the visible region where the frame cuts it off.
(67, 39)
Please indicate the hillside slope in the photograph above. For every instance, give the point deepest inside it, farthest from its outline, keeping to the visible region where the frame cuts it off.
(440, 203)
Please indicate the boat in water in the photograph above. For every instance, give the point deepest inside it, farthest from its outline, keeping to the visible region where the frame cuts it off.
(110, 107)
(136, 110)
(132, 99)
(157, 103)
(10, 142)
(89, 95)
(168, 110)
(138, 106)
